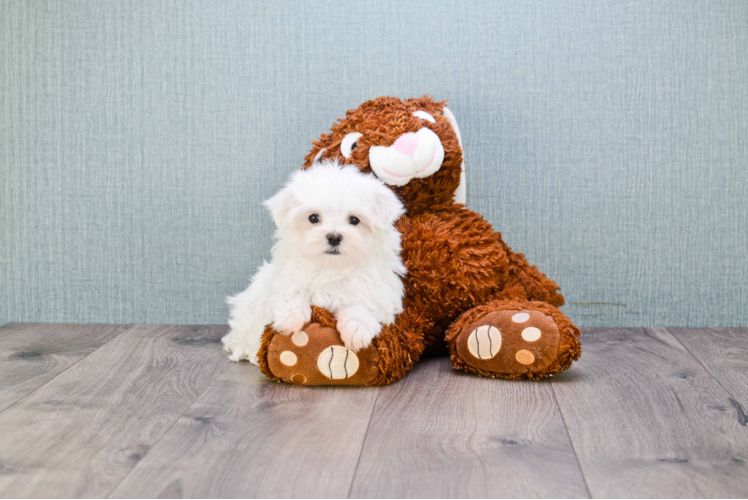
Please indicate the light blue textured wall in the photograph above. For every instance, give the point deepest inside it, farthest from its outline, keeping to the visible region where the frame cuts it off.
(608, 140)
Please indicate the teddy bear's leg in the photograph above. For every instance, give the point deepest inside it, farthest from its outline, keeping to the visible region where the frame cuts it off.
(317, 356)
(513, 338)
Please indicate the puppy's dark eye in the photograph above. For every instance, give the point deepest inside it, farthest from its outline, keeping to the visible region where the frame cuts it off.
(353, 220)
(314, 218)
(354, 146)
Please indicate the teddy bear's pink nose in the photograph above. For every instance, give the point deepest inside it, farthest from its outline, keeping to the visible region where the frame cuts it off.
(406, 144)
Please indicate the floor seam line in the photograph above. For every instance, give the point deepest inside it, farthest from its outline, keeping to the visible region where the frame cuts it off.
(129, 327)
(719, 382)
(571, 441)
(167, 430)
(363, 443)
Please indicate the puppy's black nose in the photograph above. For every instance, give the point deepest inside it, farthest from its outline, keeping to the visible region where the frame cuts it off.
(334, 239)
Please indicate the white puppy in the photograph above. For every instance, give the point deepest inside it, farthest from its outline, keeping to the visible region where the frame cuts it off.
(336, 248)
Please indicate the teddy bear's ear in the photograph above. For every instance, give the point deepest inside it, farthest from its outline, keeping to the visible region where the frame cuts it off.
(313, 157)
(460, 195)
(281, 206)
(318, 156)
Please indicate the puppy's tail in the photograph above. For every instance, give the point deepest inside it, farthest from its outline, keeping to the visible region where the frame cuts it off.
(249, 315)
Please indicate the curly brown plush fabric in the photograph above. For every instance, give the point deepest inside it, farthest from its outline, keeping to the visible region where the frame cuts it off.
(459, 269)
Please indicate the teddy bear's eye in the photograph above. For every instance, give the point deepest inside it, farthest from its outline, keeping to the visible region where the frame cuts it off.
(349, 143)
(424, 116)
(314, 218)
(353, 220)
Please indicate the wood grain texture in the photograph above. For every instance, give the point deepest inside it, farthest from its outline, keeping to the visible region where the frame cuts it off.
(442, 433)
(250, 437)
(158, 411)
(81, 433)
(724, 353)
(647, 420)
(33, 354)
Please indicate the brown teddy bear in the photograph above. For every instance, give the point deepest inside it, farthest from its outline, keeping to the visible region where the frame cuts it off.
(497, 313)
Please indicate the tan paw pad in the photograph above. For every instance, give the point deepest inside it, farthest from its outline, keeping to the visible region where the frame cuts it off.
(484, 342)
(525, 357)
(336, 362)
(288, 358)
(520, 317)
(530, 334)
(300, 338)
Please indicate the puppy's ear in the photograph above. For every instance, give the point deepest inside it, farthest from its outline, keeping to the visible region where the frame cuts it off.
(387, 207)
(281, 206)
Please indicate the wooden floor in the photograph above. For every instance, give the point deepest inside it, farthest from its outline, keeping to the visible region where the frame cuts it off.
(158, 411)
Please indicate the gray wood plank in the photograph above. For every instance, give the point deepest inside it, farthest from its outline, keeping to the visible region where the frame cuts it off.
(14, 327)
(250, 437)
(82, 432)
(647, 420)
(443, 433)
(33, 354)
(724, 353)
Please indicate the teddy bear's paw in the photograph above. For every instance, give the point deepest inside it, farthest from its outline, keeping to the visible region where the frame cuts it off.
(510, 342)
(316, 355)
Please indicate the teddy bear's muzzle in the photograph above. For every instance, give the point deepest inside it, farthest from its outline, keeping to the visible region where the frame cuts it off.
(412, 155)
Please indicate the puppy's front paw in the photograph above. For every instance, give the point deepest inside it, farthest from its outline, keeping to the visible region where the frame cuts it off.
(240, 347)
(357, 327)
(290, 317)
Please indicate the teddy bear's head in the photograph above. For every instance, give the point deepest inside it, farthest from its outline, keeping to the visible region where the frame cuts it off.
(413, 145)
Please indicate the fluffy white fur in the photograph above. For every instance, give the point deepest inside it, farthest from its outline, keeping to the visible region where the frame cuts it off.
(361, 283)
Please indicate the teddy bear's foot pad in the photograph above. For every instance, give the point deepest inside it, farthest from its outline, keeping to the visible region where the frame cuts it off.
(316, 356)
(510, 342)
